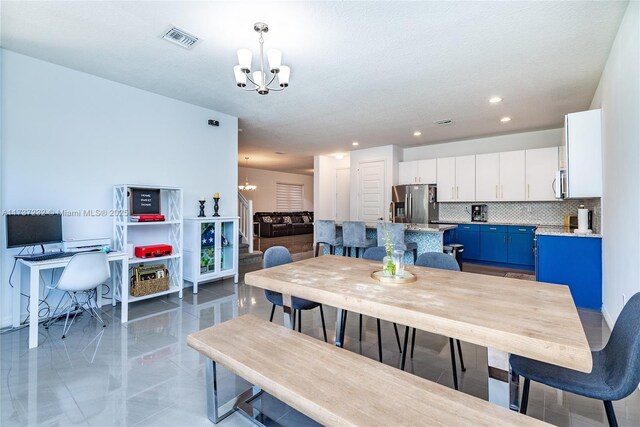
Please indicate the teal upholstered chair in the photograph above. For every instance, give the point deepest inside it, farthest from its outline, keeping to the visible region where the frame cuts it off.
(396, 232)
(616, 368)
(279, 255)
(326, 234)
(443, 262)
(354, 235)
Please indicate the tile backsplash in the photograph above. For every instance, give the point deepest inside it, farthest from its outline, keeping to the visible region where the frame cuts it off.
(534, 213)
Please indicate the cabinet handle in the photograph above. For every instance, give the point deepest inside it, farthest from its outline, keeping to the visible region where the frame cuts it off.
(457, 192)
(504, 239)
(510, 239)
(502, 191)
(452, 194)
(522, 229)
(492, 228)
(496, 191)
(528, 191)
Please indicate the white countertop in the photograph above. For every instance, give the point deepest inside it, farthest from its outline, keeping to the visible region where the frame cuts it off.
(420, 228)
(559, 230)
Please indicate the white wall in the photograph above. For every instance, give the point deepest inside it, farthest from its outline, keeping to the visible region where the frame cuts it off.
(264, 197)
(618, 95)
(493, 144)
(324, 181)
(68, 137)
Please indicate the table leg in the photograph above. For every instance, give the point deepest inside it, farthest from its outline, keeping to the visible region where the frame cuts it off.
(17, 287)
(124, 292)
(34, 299)
(288, 311)
(339, 322)
(504, 385)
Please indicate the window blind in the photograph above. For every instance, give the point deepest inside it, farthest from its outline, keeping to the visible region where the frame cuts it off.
(289, 197)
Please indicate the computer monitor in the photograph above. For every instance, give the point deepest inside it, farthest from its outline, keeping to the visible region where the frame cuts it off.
(30, 230)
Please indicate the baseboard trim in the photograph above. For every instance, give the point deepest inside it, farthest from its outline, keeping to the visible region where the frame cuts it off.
(607, 317)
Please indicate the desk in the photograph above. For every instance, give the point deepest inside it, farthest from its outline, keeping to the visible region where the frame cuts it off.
(33, 269)
(531, 319)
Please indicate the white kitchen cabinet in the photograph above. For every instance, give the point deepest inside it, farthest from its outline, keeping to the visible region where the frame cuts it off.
(407, 172)
(512, 176)
(446, 179)
(427, 171)
(583, 153)
(540, 172)
(417, 172)
(488, 177)
(465, 179)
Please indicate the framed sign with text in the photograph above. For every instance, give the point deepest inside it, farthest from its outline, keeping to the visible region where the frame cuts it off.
(144, 201)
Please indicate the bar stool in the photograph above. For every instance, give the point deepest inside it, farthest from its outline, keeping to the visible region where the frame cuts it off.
(396, 232)
(354, 235)
(457, 249)
(326, 234)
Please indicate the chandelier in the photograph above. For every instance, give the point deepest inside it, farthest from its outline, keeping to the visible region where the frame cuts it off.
(247, 186)
(259, 78)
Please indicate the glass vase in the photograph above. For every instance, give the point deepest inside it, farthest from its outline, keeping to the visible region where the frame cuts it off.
(388, 267)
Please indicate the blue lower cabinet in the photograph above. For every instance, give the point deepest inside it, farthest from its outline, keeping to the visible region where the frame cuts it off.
(494, 247)
(572, 261)
(471, 241)
(521, 249)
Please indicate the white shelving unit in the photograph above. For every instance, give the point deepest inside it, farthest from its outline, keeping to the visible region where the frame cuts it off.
(169, 232)
(211, 249)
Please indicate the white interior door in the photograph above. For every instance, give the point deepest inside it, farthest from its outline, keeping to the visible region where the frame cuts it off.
(465, 179)
(343, 199)
(540, 172)
(487, 177)
(371, 191)
(446, 179)
(512, 176)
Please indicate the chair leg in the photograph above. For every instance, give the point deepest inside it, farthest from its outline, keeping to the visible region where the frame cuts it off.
(64, 329)
(413, 341)
(395, 329)
(344, 327)
(360, 329)
(462, 368)
(453, 364)
(293, 325)
(317, 248)
(525, 396)
(357, 252)
(273, 311)
(299, 320)
(404, 347)
(379, 341)
(611, 414)
(324, 329)
(415, 255)
(344, 251)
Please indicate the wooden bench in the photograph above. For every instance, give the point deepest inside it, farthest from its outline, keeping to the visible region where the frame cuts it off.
(332, 385)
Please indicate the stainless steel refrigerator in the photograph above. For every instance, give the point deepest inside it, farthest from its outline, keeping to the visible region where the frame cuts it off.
(414, 203)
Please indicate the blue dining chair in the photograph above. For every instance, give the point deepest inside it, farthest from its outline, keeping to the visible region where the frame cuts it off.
(279, 255)
(373, 254)
(354, 235)
(396, 233)
(616, 368)
(443, 262)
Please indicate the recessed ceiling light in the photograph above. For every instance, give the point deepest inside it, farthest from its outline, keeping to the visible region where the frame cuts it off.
(339, 156)
(239, 129)
(417, 133)
(495, 100)
(505, 119)
(355, 143)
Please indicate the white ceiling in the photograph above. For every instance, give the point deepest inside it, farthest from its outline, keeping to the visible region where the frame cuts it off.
(371, 72)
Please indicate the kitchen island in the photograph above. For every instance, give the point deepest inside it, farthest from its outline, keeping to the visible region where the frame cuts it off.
(429, 237)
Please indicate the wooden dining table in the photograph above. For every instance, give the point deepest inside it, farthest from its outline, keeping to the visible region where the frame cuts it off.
(508, 316)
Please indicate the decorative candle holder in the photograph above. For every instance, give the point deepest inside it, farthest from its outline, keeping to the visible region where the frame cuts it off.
(215, 206)
(201, 215)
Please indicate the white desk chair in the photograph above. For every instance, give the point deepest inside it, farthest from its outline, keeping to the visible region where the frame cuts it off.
(84, 273)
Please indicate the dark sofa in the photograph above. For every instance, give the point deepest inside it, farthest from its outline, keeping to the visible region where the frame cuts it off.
(274, 224)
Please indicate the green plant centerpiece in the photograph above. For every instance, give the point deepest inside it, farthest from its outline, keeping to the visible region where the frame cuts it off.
(388, 266)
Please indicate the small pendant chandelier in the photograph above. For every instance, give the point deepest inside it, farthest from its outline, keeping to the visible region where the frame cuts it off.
(259, 78)
(247, 186)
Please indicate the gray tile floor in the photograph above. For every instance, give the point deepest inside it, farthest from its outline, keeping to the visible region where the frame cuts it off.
(143, 374)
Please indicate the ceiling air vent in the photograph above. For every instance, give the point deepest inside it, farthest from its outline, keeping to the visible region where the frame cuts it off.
(180, 37)
(443, 122)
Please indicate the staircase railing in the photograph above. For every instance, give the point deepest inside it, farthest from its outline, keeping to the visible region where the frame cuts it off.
(245, 211)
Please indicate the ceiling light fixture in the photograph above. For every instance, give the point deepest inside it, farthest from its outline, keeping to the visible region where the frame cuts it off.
(417, 133)
(339, 156)
(495, 100)
(247, 186)
(259, 78)
(355, 143)
(505, 119)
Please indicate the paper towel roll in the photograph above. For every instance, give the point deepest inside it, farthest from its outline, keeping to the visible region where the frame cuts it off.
(583, 219)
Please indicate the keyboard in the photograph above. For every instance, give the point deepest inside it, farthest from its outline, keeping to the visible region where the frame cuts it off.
(46, 257)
